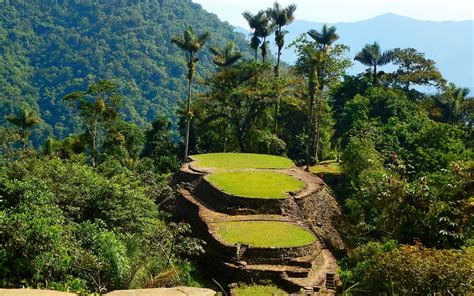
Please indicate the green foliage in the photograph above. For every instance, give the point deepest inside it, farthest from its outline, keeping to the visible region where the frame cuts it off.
(227, 56)
(321, 64)
(50, 49)
(409, 270)
(453, 105)
(360, 155)
(280, 17)
(394, 157)
(326, 167)
(190, 43)
(414, 68)
(372, 56)
(262, 28)
(23, 122)
(236, 110)
(160, 147)
(98, 109)
(67, 226)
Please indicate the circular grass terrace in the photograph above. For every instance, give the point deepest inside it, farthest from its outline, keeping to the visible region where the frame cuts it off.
(236, 161)
(264, 234)
(256, 184)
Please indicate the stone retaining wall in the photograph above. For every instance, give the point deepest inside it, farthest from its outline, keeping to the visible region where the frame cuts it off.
(185, 175)
(324, 215)
(255, 255)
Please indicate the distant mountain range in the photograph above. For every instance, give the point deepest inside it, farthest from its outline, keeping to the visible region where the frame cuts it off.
(449, 43)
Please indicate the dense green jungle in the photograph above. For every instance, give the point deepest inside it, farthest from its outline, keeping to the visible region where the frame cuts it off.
(103, 101)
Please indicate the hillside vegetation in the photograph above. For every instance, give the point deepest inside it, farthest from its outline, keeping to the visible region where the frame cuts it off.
(88, 209)
(49, 49)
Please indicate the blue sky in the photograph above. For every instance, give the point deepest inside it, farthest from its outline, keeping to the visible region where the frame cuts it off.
(346, 10)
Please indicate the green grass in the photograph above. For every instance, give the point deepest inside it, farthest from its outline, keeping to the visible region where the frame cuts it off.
(256, 184)
(256, 290)
(264, 234)
(235, 161)
(326, 167)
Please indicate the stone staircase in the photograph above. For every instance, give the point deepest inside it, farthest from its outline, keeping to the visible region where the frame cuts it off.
(330, 281)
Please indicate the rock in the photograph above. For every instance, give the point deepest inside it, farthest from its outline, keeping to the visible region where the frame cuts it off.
(33, 292)
(242, 264)
(177, 291)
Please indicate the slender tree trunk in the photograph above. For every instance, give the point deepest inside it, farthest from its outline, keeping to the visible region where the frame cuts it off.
(277, 103)
(375, 80)
(318, 117)
(318, 130)
(256, 54)
(188, 109)
(224, 136)
(277, 67)
(94, 145)
(240, 138)
(309, 142)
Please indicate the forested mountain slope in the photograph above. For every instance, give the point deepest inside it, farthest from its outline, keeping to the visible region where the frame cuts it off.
(49, 48)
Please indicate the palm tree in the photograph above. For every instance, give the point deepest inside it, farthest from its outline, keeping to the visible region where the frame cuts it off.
(227, 56)
(280, 17)
(191, 44)
(454, 105)
(24, 120)
(314, 59)
(224, 58)
(254, 23)
(325, 38)
(262, 28)
(323, 43)
(372, 56)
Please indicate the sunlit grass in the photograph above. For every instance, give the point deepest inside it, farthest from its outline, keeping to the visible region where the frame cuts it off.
(265, 234)
(256, 184)
(326, 167)
(232, 161)
(257, 290)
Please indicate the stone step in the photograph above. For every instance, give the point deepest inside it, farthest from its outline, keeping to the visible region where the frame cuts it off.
(297, 274)
(273, 267)
(305, 262)
(330, 281)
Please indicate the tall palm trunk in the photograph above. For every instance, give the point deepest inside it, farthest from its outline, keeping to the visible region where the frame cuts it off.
(318, 118)
(277, 74)
(188, 107)
(318, 130)
(374, 78)
(264, 49)
(309, 142)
